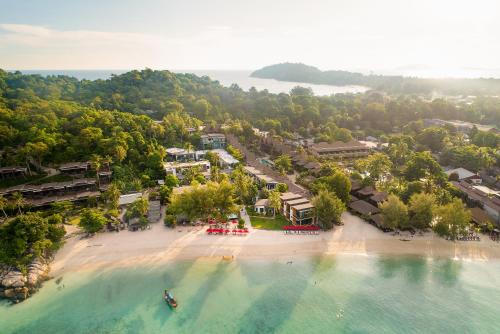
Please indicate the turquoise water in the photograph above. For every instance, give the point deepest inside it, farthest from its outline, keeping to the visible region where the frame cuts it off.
(343, 294)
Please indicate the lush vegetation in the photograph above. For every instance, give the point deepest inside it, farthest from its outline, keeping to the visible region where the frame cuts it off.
(28, 236)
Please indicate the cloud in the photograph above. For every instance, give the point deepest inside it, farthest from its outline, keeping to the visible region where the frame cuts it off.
(33, 35)
(31, 46)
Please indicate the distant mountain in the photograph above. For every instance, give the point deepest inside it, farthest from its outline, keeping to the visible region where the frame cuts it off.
(389, 83)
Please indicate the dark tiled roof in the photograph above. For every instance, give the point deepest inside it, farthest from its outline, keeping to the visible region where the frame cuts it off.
(366, 191)
(379, 197)
(363, 208)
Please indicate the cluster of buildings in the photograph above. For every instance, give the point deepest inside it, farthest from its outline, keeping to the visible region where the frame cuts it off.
(80, 188)
(352, 149)
(485, 201)
(460, 126)
(294, 207)
(260, 178)
(365, 202)
(180, 160)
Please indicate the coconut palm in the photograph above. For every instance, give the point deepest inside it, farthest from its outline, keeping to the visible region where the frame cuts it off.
(274, 201)
(3, 205)
(19, 201)
(97, 163)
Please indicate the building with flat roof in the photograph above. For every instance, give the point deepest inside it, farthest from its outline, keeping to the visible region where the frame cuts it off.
(213, 141)
(287, 205)
(267, 181)
(179, 168)
(340, 150)
(302, 214)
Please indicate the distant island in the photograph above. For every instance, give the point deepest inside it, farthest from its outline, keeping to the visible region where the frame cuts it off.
(298, 72)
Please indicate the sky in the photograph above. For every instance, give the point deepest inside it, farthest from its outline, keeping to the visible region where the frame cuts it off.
(444, 36)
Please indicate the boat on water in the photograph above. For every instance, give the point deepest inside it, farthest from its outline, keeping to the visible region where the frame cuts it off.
(169, 299)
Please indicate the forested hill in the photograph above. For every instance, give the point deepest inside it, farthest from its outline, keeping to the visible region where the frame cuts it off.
(390, 84)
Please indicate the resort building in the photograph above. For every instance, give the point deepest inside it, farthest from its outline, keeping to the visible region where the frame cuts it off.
(267, 181)
(252, 171)
(129, 198)
(179, 168)
(461, 126)
(75, 167)
(302, 214)
(340, 150)
(465, 175)
(286, 197)
(47, 193)
(481, 196)
(291, 203)
(363, 208)
(213, 141)
(226, 161)
(180, 154)
(12, 172)
(261, 206)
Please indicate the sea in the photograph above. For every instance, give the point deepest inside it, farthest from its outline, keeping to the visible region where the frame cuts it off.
(324, 294)
(226, 78)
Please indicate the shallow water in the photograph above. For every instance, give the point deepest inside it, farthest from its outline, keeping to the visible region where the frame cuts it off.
(342, 294)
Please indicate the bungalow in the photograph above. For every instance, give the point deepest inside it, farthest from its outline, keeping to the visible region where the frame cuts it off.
(226, 160)
(75, 167)
(366, 192)
(340, 150)
(291, 203)
(363, 208)
(288, 196)
(465, 175)
(252, 171)
(179, 154)
(267, 181)
(261, 206)
(303, 214)
(378, 198)
(129, 198)
(482, 196)
(12, 172)
(480, 217)
(213, 141)
(179, 168)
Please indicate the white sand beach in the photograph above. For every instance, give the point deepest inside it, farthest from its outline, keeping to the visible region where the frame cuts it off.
(160, 245)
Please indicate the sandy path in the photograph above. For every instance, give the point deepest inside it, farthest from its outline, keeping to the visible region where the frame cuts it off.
(160, 245)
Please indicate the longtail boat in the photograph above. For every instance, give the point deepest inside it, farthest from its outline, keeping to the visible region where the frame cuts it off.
(169, 299)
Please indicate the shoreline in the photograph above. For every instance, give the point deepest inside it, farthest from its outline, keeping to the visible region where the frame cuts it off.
(161, 245)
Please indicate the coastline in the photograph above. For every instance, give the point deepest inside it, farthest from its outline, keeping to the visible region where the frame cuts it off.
(161, 245)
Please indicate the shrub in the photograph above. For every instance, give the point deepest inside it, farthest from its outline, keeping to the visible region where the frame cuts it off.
(170, 221)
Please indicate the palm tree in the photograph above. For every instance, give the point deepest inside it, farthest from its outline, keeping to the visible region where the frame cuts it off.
(274, 201)
(3, 205)
(19, 201)
(97, 163)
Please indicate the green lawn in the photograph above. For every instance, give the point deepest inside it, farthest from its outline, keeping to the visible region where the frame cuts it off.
(268, 223)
